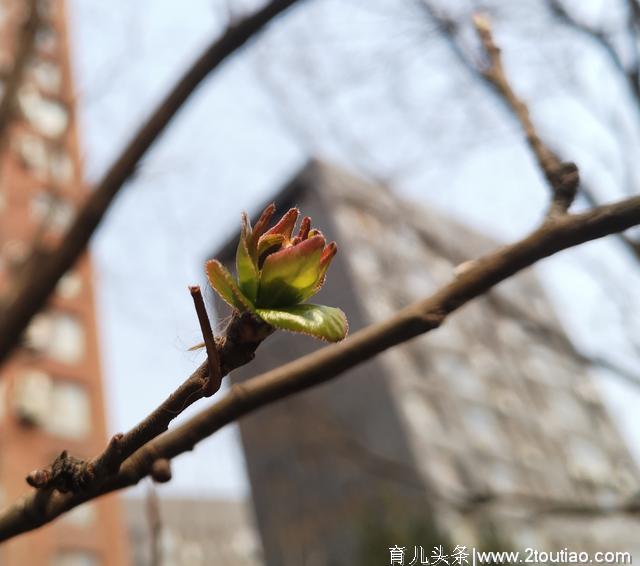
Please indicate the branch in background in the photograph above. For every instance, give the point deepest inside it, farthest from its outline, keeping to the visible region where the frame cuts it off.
(24, 47)
(25, 301)
(478, 277)
(154, 521)
(630, 75)
(449, 29)
(562, 176)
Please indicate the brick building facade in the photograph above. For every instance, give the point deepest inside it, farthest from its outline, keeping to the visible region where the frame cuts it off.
(51, 394)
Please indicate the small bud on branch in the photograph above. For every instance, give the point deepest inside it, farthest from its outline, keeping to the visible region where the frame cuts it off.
(277, 272)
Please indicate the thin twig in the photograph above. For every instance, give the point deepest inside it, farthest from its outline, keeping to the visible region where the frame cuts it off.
(562, 176)
(554, 235)
(213, 358)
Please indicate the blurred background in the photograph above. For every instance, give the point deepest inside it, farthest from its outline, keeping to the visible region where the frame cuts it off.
(513, 426)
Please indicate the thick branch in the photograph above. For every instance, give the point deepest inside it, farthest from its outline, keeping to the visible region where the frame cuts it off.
(555, 235)
(31, 297)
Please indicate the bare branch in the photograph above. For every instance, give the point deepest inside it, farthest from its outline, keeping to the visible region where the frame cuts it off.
(630, 75)
(554, 235)
(27, 300)
(562, 176)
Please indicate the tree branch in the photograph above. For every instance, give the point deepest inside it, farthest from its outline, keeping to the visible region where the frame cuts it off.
(562, 176)
(554, 235)
(30, 298)
(235, 348)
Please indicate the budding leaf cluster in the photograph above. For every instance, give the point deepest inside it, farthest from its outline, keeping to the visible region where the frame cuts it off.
(277, 272)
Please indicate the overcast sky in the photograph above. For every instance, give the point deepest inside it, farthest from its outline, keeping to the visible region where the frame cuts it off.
(231, 147)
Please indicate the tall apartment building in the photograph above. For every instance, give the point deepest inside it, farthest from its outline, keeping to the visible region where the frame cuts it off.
(481, 431)
(50, 390)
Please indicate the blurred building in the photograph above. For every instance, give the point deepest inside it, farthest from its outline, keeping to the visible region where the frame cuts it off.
(479, 433)
(192, 532)
(51, 390)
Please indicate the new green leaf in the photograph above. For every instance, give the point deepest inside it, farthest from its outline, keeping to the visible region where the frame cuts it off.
(326, 323)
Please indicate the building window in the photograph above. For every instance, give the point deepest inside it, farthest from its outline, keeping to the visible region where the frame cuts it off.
(14, 252)
(57, 335)
(587, 460)
(46, 38)
(46, 74)
(83, 516)
(31, 397)
(57, 213)
(70, 414)
(33, 153)
(70, 285)
(60, 407)
(47, 116)
(75, 558)
(60, 167)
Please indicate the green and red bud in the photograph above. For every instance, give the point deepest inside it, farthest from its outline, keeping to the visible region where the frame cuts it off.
(276, 272)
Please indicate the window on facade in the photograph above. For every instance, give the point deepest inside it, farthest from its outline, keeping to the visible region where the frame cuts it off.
(60, 167)
(70, 285)
(47, 116)
(46, 74)
(75, 558)
(60, 407)
(69, 411)
(57, 335)
(84, 516)
(46, 38)
(14, 252)
(57, 213)
(588, 460)
(484, 427)
(45, 8)
(31, 397)
(33, 153)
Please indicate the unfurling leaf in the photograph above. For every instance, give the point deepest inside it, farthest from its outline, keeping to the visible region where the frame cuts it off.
(223, 283)
(326, 323)
(277, 271)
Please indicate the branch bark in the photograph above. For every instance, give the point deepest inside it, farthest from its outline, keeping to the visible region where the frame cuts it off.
(235, 348)
(554, 235)
(562, 176)
(30, 298)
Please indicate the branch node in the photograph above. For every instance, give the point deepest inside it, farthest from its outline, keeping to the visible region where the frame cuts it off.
(161, 471)
(66, 474)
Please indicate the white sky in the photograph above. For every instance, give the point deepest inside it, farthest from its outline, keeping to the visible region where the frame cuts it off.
(231, 147)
